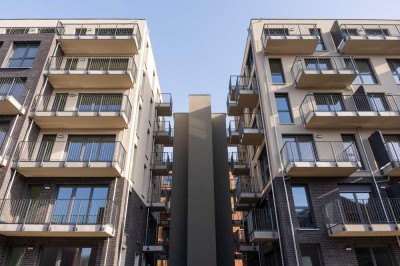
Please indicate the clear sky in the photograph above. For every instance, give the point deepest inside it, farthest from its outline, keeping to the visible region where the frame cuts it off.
(199, 43)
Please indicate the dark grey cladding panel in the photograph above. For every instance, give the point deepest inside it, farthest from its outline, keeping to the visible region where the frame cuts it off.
(377, 144)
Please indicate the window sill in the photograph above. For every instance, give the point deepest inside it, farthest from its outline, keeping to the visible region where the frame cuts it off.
(308, 229)
(15, 67)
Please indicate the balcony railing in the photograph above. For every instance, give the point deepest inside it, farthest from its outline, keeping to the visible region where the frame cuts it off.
(87, 65)
(163, 127)
(289, 30)
(161, 158)
(348, 103)
(238, 83)
(247, 184)
(369, 31)
(28, 30)
(58, 211)
(238, 158)
(7, 145)
(14, 87)
(319, 151)
(262, 219)
(112, 30)
(71, 151)
(97, 103)
(163, 104)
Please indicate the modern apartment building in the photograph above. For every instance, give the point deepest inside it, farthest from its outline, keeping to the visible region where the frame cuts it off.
(83, 126)
(315, 136)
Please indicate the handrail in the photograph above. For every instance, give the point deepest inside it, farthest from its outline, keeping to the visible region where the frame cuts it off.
(28, 30)
(261, 219)
(14, 87)
(158, 192)
(247, 184)
(161, 158)
(70, 151)
(368, 31)
(238, 158)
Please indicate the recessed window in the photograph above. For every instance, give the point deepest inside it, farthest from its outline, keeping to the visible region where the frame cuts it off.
(365, 73)
(276, 71)
(321, 44)
(394, 65)
(310, 255)
(302, 207)
(16, 256)
(374, 256)
(284, 110)
(23, 55)
(68, 256)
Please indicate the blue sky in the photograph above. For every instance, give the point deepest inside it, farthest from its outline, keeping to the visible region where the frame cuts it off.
(198, 44)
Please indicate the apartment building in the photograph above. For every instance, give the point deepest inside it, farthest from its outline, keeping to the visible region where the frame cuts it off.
(315, 142)
(84, 176)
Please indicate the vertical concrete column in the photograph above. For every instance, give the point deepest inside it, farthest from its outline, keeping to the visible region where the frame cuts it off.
(201, 239)
(223, 208)
(179, 199)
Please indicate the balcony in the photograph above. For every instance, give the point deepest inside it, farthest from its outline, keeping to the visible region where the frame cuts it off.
(159, 193)
(161, 163)
(362, 218)
(244, 90)
(251, 130)
(371, 39)
(82, 111)
(233, 107)
(334, 72)
(70, 159)
(7, 145)
(233, 133)
(320, 158)
(66, 72)
(247, 191)
(28, 30)
(164, 104)
(290, 39)
(261, 226)
(57, 218)
(13, 96)
(351, 111)
(237, 219)
(157, 246)
(99, 39)
(242, 243)
(239, 163)
(163, 133)
(392, 149)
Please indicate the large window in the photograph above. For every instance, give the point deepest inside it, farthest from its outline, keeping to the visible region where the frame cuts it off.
(376, 256)
(23, 55)
(332, 102)
(299, 148)
(394, 65)
(276, 71)
(16, 256)
(302, 206)
(71, 256)
(90, 148)
(310, 255)
(365, 73)
(321, 45)
(284, 110)
(264, 166)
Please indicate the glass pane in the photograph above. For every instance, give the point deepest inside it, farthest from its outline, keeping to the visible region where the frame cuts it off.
(382, 256)
(285, 117)
(27, 63)
(19, 51)
(15, 63)
(69, 256)
(364, 257)
(282, 103)
(49, 256)
(310, 255)
(277, 79)
(16, 256)
(32, 51)
(85, 257)
(300, 196)
(100, 193)
(74, 150)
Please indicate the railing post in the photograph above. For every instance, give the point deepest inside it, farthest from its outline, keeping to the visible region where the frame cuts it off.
(77, 217)
(108, 66)
(366, 212)
(26, 215)
(341, 214)
(101, 105)
(51, 215)
(333, 152)
(393, 214)
(11, 87)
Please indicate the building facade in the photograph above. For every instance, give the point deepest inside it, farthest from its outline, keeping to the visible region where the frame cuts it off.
(83, 125)
(315, 143)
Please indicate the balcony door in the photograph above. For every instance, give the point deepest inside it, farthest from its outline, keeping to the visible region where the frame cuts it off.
(355, 202)
(80, 205)
(46, 148)
(96, 148)
(300, 148)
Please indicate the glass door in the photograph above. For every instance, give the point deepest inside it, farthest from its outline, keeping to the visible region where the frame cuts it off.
(46, 148)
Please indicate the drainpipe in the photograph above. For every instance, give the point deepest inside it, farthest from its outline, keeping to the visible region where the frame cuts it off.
(124, 223)
(372, 173)
(268, 93)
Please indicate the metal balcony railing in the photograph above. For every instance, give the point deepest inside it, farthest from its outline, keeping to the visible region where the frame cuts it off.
(238, 158)
(367, 31)
(27, 30)
(319, 151)
(7, 145)
(14, 87)
(89, 65)
(367, 211)
(261, 219)
(289, 30)
(165, 98)
(393, 149)
(58, 211)
(160, 189)
(98, 103)
(250, 120)
(233, 128)
(237, 217)
(114, 30)
(239, 237)
(71, 151)
(348, 103)
(161, 158)
(322, 63)
(238, 83)
(163, 127)
(247, 184)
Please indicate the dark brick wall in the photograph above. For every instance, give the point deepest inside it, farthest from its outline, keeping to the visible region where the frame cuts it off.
(333, 250)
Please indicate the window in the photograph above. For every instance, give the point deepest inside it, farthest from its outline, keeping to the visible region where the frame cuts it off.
(276, 71)
(378, 32)
(351, 149)
(276, 31)
(300, 148)
(365, 73)
(96, 148)
(302, 207)
(284, 110)
(310, 255)
(23, 55)
(74, 256)
(378, 102)
(99, 102)
(16, 256)
(329, 102)
(320, 63)
(393, 144)
(394, 65)
(374, 256)
(264, 166)
(320, 45)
